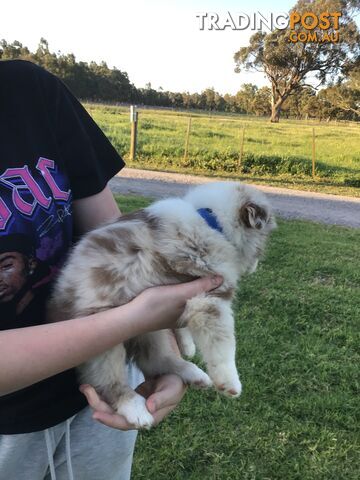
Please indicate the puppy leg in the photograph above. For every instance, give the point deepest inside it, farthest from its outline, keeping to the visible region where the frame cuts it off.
(211, 323)
(185, 342)
(133, 407)
(155, 356)
(108, 375)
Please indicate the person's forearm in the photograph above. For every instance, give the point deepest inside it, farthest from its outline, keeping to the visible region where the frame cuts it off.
(31, 354)
(28, 355)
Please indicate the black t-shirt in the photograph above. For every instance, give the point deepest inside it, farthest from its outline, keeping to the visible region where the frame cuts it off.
(51, 153)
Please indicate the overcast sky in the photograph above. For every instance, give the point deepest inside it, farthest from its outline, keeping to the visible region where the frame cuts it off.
(155, 41)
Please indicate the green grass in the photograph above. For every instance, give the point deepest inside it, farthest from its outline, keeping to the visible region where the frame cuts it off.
(275, 154)
(297, 321)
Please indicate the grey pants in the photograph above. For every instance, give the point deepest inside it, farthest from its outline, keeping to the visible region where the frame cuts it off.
(78, 449)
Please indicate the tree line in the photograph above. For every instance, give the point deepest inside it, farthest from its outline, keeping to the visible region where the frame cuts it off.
(97, 82)
(289, 63)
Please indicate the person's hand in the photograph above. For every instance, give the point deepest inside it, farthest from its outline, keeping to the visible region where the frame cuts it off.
(162, 396)
(161, 307)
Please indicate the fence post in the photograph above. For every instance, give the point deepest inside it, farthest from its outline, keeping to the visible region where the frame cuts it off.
(313, 152)
(134, 122)
(187, 139)
(241, 148)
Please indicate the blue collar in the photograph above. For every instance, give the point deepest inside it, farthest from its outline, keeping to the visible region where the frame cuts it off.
(210, 218)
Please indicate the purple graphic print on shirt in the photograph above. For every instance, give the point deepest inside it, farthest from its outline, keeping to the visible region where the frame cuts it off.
(35, 224)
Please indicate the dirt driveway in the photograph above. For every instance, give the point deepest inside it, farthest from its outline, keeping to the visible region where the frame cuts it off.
(318, 207)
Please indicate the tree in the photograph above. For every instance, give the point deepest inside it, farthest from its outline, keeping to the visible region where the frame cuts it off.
(321, 107)
(209, 94)
(230, 103)
(96, 81)
(287, 65)
(176, 99)
(245, 97)
(12, 51)
(261, 105)
(346, 96)
(296, 104)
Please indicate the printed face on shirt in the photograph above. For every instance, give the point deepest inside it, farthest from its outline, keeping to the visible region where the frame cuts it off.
(15, 269)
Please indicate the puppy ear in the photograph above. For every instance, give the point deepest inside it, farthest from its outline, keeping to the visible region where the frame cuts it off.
(252, 216)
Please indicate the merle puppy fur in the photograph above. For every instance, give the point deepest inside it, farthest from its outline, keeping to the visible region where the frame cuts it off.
(217, 228)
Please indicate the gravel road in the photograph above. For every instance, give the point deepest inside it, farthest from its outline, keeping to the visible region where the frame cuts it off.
(318, 207)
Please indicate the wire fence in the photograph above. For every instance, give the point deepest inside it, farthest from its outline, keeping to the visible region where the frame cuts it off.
(235, 144)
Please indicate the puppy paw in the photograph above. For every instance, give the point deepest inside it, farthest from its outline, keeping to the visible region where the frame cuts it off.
(226, 380)
(193, 375)
(134, 410)
(231, 390)
(188, 349)
(185, 341)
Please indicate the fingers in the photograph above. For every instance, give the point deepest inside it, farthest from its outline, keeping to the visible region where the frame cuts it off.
(94, 400)
(201, 285)
(169, 390)
(146, 388)
(113, 420)
(103, 413)
(164, 400)
(159, 415)
(162, 395)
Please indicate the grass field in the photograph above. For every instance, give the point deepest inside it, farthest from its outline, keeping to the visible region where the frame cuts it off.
(297, 321)
(275, 154)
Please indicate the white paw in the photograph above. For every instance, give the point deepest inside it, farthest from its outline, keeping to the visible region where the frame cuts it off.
(226, 380)
(193, 375)
(133, 408)
(188, 348)
(185, 341)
